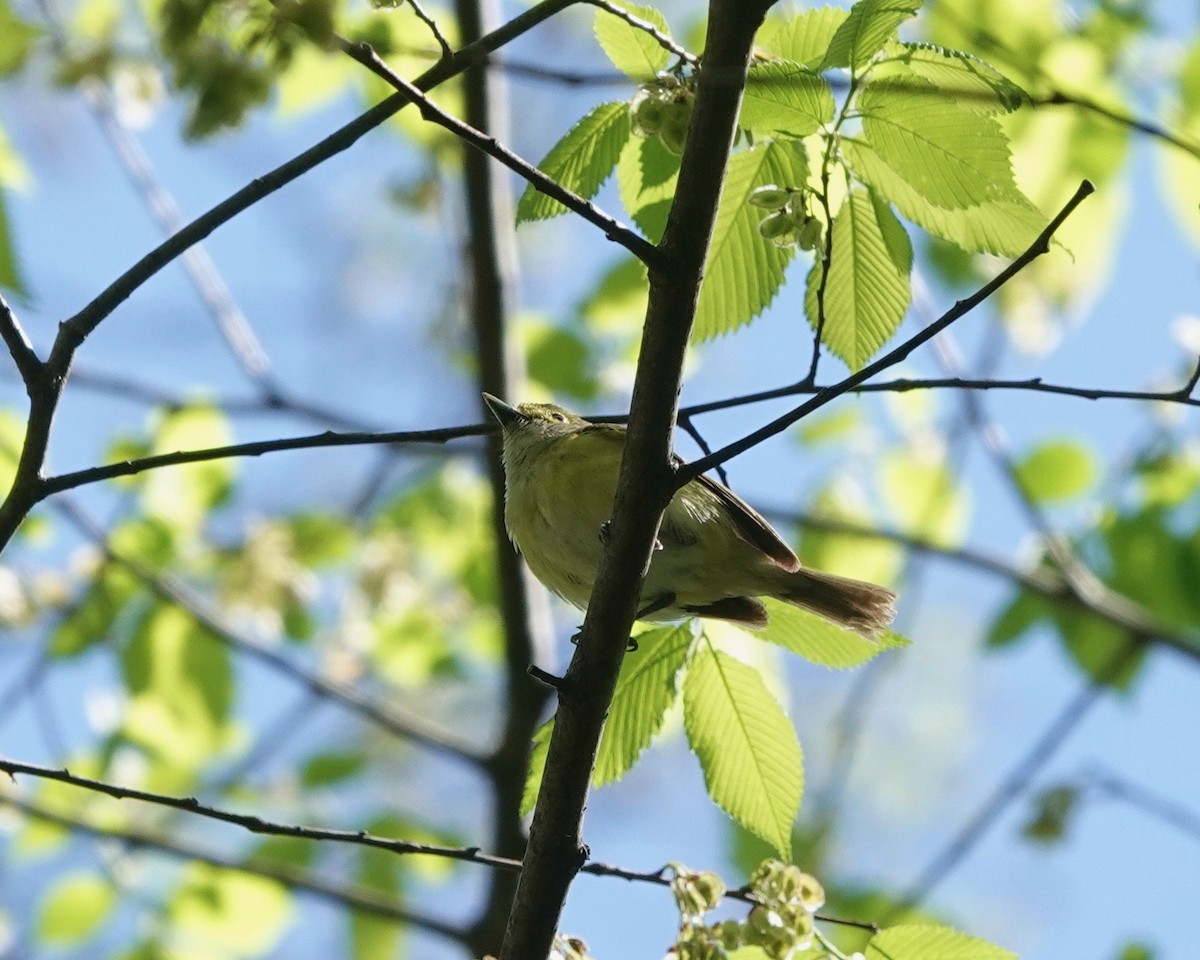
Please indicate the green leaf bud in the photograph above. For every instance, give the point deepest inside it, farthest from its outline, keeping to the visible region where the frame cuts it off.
(808, 237)
(769, 228)
(674, 134)
(647, 116)
(769, 197)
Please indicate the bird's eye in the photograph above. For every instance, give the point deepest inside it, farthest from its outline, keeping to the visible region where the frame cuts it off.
(560, 417)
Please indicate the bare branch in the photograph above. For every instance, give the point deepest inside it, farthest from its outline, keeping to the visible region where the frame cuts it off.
(613, 229)
(1015, 783)
(126, 468)
(355, 898)
(19, 347)
(1039, 246)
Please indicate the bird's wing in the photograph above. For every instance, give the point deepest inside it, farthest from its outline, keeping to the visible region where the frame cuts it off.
(750, 524)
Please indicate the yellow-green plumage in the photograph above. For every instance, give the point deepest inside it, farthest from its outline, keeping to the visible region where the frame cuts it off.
(715, 553)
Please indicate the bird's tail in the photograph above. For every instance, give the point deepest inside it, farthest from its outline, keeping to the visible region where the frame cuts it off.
(863, 607)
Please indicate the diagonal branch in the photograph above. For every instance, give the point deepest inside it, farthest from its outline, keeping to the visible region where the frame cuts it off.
(28, 364)
(613, 229)
(960, 309)
(358, 899)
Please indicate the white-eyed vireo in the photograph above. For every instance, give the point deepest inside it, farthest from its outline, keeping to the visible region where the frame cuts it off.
(715, 554)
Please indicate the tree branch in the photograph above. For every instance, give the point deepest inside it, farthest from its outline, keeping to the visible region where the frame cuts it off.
(365, 901)
(488, 144)
(556, 850)
(1039, 246)
(46, 388)
(29, 366)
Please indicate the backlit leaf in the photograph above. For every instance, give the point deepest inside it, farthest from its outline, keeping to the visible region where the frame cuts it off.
(744, 271)
(231, 911)
(746, 745)
(581, 161)
(870, 24)
(646, 176)
(787, 99)
(951, 156)
(867, 292)
(820, 641)
(924, 497)
(803, 38)
(1057, 470)
(931, 942)
(633, 51)
(645, 691)
(74, 909)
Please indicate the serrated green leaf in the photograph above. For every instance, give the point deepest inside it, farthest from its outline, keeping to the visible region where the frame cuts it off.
(971, 83)
(1004, 227)
(646, 176)
(581, 161)
(919, 941)
(537, 765)
(753, 767)
(230, 910)
(870, 24)
(924, 497)
(819, 641)
(1057, 470)
(744, 271)
(951, 156)
(785, 99)
(803, 38)
(74, 909)
(645, 691)
(632, 50)
(867, 292)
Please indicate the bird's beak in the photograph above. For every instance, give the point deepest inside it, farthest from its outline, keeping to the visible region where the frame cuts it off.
(506, 414)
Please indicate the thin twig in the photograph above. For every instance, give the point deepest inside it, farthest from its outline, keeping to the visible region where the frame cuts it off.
(1015, 783)
(1039, 246)
(613, 229)
(126, 468)
(646, 27)
(358, 899)
(19, 347)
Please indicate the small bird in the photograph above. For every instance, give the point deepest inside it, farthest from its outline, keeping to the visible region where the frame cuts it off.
(715, 554)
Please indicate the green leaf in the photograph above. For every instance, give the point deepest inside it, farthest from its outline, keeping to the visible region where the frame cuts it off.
(181, 688)
(320, 539)
(868, 292)
(924, 497)
(931, 942)
(581, 161)
(559, 359)
(869, 26)
(819, 641)
(803, 38)
(632, 50)
(88, 622)
(181, 496)
(16, 39)
(230, 910)
(1002, 227)
(330, 766)
(74, 909)
(1052, 813)
(970, 82)
(537, 766)
(10, 266)
(1057, 470)
(744, 271)
(786, 99)
(951, 156)
(646, 176)
(749, 753)
(645, 691)
(1025, 612)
